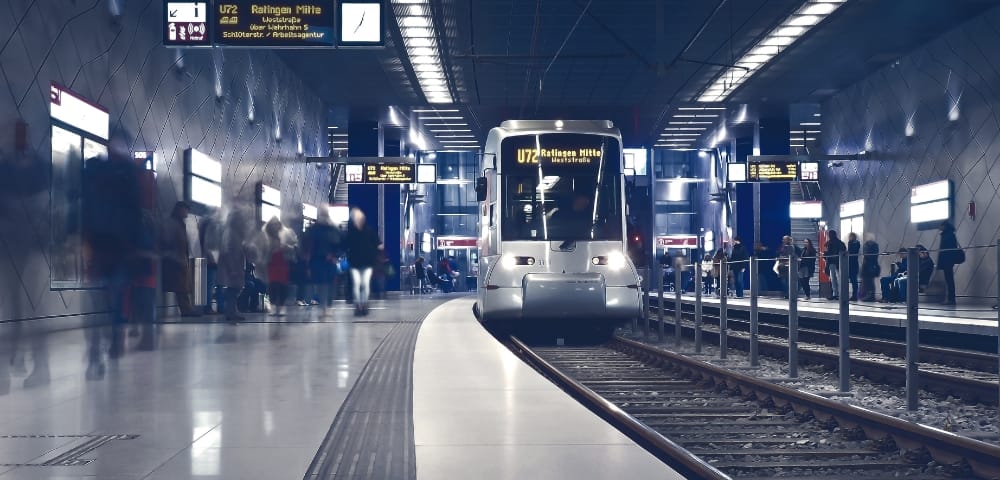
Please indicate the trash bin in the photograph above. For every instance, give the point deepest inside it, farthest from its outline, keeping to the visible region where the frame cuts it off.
(199, 284)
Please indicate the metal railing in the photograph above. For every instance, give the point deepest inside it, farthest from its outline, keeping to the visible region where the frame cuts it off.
(786, 268)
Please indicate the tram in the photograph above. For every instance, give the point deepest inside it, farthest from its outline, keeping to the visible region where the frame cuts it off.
(552, 226)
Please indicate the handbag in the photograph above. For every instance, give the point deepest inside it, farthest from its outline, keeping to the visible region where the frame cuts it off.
(959, 255)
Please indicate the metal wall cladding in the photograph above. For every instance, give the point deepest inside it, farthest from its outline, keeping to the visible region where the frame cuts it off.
(161, 99)
(933, 115)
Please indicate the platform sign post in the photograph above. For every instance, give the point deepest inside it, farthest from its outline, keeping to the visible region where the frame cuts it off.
(723, 311)
(651, 271)
(698, 286)
(793, 316)
(677, 306)
(659, 304)
(844, 329)
(912, 331)
(754, 292)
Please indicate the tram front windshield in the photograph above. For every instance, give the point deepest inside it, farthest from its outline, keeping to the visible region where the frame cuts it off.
(561, 186)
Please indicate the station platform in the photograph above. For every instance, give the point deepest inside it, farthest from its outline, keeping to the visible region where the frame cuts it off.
(972, 319)
(479, 412)
(417, 389)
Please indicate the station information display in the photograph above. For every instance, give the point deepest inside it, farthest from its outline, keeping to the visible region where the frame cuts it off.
(274, 23)
(390, 173)
(773, 171)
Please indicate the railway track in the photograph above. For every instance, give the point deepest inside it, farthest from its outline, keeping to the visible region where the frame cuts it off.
(708, 422)
(964, 374)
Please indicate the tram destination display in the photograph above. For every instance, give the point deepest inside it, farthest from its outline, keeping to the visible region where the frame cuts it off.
(773, 171)
(274, 23)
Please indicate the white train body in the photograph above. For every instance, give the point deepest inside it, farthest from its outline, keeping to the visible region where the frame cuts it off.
(552, 226)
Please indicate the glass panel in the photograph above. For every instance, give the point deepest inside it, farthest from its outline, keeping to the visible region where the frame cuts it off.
(65, 204)
(561, 186)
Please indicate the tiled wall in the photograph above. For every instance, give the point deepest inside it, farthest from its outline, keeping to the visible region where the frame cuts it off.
(164, 99)
(930, 116)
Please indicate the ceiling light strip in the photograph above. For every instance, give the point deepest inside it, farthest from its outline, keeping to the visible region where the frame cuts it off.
(807, 16)
(420, 39)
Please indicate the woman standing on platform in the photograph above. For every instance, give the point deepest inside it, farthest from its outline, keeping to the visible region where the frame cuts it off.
(869, 269)
(949, 256)
(362, 251)
(834, 247)
(853, 252)
(807, 266)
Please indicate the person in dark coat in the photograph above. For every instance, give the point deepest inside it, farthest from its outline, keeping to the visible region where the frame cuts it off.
(925, 268)
(853, 263)
(948, 257)
(112, 231)
(807, 267)
(834, 247)
(321, 243)
(786, 250)
(738, 258)
(363, 247)
(176, 268)
(870, 269)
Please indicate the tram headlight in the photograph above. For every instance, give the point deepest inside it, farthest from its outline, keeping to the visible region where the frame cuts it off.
(616, 260)
(508, 262)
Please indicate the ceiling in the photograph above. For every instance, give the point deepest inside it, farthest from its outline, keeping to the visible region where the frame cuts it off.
(631, 61)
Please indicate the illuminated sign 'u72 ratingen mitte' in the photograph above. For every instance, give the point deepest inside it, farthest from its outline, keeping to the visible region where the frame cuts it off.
(274, 23)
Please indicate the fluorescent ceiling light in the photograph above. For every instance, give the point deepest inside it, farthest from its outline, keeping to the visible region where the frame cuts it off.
(804, 20)
(789, 31)
(423, 59)
(450, 130)
(417, 32)
(420, 42)
(793, 27)
(819, 9)
(778, 41)
(446, 125)
(441, 118)
(415, 22)
(431, 110)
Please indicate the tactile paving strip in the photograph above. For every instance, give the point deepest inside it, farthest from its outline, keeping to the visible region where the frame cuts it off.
(372, 436)
(72, 456)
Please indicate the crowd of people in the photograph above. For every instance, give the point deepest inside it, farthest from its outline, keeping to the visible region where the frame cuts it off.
(862, 268)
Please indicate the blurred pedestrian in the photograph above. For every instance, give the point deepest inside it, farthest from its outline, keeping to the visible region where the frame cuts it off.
(275, 247)
(896, 271)
(176, 258)
(363, 247)
(807, 267)
(870, 269)
(233, 259)
(111, 231)
(739, 258)
(322, 244)
(788, 278)
(949, 256)
(853, 262)
(717, 260)
(834, 247)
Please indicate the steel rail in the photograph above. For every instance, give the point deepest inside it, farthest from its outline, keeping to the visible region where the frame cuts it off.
(672, 454)
(944, 447)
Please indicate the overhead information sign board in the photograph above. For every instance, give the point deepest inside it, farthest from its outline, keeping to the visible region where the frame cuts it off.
(274, 23)
(389, 172)
(773, 171)
(186, 24)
